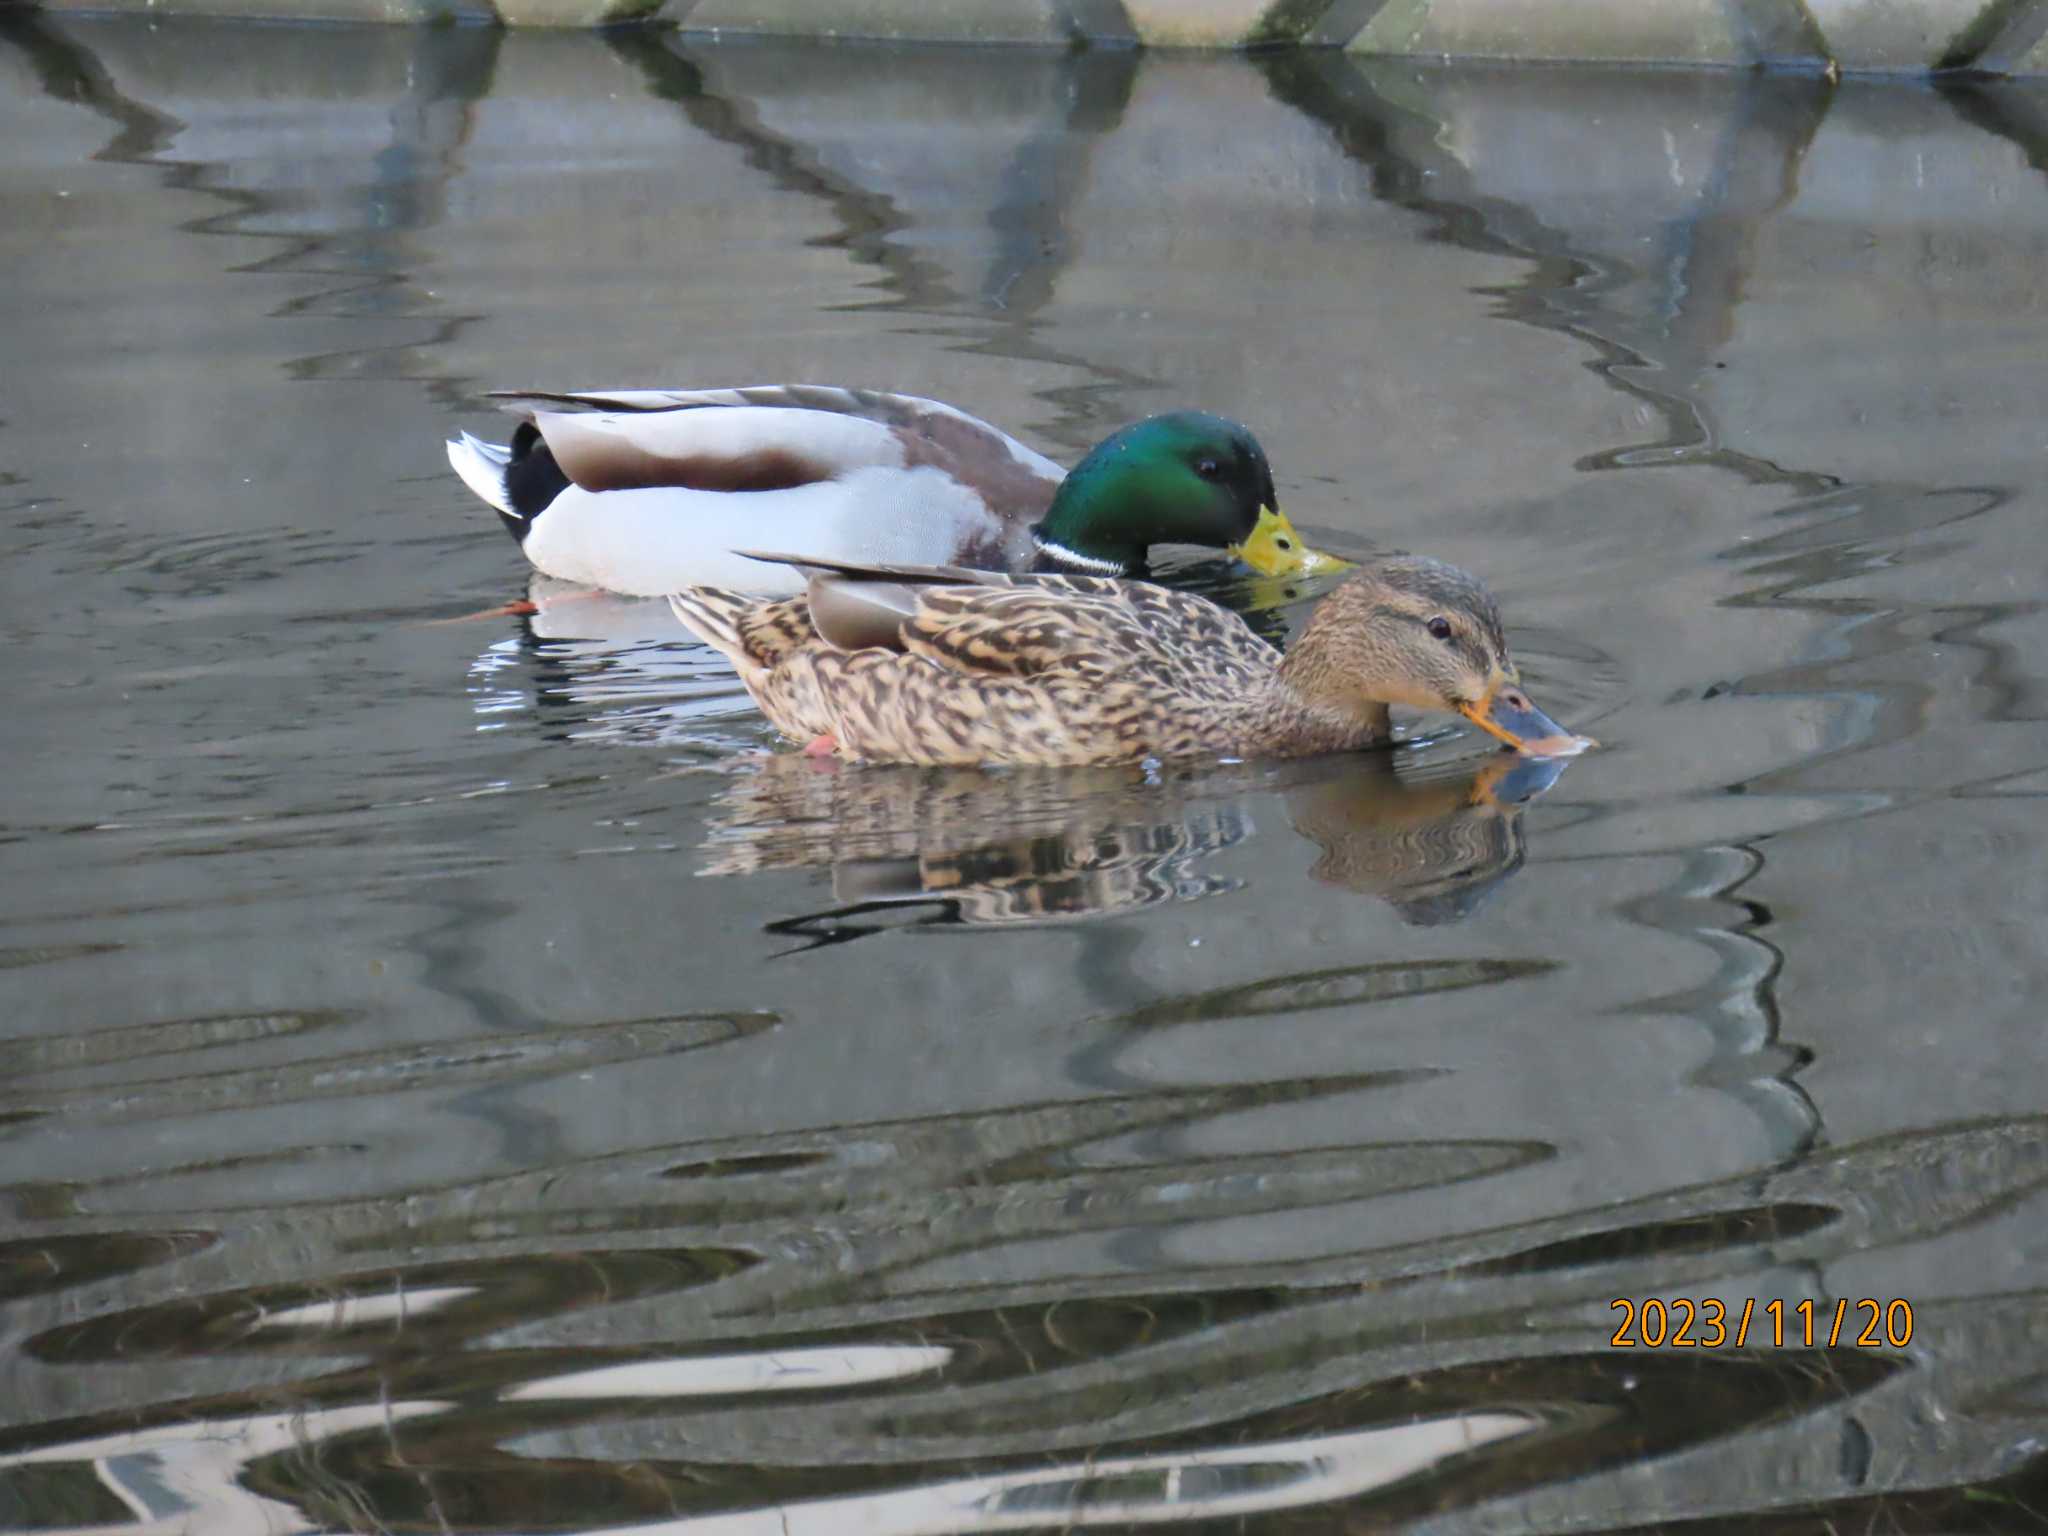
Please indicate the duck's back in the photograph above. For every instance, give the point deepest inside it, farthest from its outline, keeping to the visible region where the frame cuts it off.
(1047, 669)
(658, 488)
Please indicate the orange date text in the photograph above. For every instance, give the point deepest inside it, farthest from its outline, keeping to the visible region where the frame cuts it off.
(1682, 1323)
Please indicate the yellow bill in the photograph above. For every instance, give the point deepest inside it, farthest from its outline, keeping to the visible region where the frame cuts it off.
(1273, 548)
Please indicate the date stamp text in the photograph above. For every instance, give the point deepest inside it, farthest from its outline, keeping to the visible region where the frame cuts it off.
(1682, 1323)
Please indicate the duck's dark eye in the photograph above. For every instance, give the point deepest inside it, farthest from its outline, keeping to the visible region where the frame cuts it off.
(1440, 627)
(1208, 469)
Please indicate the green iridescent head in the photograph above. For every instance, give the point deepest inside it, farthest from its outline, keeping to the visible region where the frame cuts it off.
(1183, 478)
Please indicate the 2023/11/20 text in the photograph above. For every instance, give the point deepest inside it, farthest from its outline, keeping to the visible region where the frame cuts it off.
(1682, 1323)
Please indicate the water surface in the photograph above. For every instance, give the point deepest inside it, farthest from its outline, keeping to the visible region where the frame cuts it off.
(455, 1078)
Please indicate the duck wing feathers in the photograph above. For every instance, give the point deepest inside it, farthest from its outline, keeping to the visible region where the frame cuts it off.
(776, 437)
(970, 667)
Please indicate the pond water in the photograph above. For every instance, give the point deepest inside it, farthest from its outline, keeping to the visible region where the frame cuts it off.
(453, 1079)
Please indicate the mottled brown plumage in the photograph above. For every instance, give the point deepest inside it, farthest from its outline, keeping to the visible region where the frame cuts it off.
(1074, 669)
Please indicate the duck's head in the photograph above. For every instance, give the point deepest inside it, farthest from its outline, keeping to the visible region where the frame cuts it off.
(1183, 478)
(1418, 633)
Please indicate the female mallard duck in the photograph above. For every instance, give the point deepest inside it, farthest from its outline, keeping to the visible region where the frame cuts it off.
(957, 667)
(647, 491)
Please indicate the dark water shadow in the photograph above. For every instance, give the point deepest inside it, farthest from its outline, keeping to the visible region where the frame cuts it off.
(1357, 1385)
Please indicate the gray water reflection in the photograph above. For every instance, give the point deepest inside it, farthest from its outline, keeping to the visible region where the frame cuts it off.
(1035, 846)
(399, 1129)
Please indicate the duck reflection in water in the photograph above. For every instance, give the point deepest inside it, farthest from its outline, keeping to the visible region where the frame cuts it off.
(910, 847)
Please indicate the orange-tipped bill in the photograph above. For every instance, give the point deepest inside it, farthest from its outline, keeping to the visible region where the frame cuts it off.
(1509, 715)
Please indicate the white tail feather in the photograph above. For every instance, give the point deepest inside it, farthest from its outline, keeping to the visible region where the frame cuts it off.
(482, 467)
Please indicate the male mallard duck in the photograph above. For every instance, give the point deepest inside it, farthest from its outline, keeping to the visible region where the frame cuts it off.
(647, 491)
(954, 667)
